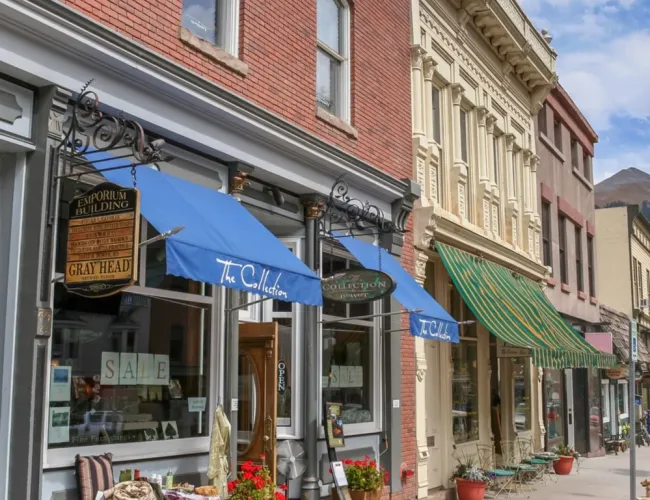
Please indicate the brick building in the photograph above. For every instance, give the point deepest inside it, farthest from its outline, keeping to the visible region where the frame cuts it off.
(270, 102)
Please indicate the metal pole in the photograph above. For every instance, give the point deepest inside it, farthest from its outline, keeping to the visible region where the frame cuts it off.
(232, 373)
(310, 488)
(632, 407)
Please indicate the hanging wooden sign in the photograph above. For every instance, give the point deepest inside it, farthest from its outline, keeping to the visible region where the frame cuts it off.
(103, 238)
(357, 286)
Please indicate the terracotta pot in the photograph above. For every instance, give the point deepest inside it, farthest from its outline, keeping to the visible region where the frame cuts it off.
(563, 466)
(358, 494)
(470, 490)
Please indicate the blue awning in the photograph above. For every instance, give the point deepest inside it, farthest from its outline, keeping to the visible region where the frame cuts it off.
(433, 322)
(221, 243)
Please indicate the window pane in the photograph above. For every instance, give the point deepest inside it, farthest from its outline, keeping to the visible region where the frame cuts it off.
(200, 17)
(463, 135)
(521, 375)
(285, 340)
(595, 439)
(156, 272)
(332, 264)
(329, 24)
(359, 309)
(464, 388)
(495, 163)
(554, 400)
(326, 71)
(123, 369)
(347, 370)
(435, 100)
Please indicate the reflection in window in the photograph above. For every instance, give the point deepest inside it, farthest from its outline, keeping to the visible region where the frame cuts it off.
(200, 17)
(464, 388)
(521, 376)
(331, 55)
(595, 439)
(124, 367)
(554, 401)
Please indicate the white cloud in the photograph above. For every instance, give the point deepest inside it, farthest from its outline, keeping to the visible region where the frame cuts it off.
(606, 166)
(609, 79)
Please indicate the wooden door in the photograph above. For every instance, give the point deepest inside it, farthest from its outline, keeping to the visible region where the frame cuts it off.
(257, 418)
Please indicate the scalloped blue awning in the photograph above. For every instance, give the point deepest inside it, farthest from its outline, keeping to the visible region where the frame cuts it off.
(432, 322)
(221, 243)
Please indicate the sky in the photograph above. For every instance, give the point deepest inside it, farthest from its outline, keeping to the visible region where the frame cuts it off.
(603, 63)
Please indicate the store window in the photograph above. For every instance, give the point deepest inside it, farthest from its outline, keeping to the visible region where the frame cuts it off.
(521, 377)
(595, 405)
(464, 380)
(131, 367)
(622, 403)
(554, 413)
(348, 346)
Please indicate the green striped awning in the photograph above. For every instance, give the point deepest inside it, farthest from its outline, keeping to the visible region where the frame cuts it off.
(515, 309)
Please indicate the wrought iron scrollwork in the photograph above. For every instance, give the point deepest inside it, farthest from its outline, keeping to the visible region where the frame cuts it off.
(90, 130)
(341, 209)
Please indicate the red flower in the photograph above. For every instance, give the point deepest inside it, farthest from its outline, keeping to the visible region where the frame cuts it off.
(247, 466)
(248, 476)
(231, 486)
(284, 487)
(280, 496)
(372, 463)
(258, 482)
(262, 456)
(347, 462)
(367, 457)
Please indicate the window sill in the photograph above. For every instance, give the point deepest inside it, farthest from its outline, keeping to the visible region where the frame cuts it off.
(565, 288)
(583, 179)
(213, 52)
(593, 300)
(547, 142)
(551, 282)
(336, 122)
(582, 295)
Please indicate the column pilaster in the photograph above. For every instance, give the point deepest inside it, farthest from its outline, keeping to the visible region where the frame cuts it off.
(417, 60)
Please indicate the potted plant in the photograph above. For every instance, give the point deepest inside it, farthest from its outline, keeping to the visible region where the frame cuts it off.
(471, 481)
(566, 455)
(254, 483)
(365, 479)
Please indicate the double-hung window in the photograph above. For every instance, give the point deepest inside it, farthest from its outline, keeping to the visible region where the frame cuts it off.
(579, 273)
(590, 267)
(435, 115)
(635, 282)
(546, 234)
(333, 58)
(216, 21)
(496, 153)
(464, 146)
(564, 275)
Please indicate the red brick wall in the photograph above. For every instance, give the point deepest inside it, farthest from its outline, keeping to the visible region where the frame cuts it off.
(278, 42)
(409, 439)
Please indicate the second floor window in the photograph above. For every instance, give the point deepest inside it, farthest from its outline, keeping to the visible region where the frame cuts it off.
(635, 282)
(590, 266)
(579, 275)
(463, 135)
(586, 166)
(541, 120)
(332, 58)
(214, 22)
(564, 275)
(557, 135)
(435, 114)
(495, 160)
(575, 151)
(546, 234)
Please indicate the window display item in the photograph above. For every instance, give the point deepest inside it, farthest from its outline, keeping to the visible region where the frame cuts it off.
(93, 474)
(60, 383)
(169, 480)
(219, 446)
(131, 490)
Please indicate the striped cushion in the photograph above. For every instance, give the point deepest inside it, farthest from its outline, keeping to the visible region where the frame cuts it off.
(93, 474)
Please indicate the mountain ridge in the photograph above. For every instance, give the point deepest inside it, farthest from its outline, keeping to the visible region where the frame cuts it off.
(630, 186)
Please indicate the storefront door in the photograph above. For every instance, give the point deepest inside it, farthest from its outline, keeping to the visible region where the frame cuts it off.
(570, 435)
(433, 417)
(258, 359)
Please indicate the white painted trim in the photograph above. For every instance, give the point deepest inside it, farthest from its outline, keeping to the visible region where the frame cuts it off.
(228, 26)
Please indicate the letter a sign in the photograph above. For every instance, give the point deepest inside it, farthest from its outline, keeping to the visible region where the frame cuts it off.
(103, 238)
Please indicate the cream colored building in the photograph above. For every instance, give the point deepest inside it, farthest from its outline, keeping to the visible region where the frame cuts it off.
(480, 73)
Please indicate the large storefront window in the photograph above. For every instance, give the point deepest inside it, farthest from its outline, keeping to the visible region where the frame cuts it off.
(347, 371)
(464, 381)
(595, 433)
(622, 396)
(521, 377)
(554, 413)
(127, 368)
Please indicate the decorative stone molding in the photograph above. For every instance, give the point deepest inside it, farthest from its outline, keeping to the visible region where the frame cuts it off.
(417, 56)
(457, 93)
(429, 67)
(10, 110)
(421, 260)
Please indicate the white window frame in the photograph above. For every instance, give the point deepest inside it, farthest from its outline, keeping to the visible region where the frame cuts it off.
(65, 457)
(375, 358)
(605, 396)
(343, 90)
(295, 430)
(622, 385)
(226, 26)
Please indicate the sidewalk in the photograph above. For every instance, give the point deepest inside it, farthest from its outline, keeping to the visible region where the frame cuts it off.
(605, 478)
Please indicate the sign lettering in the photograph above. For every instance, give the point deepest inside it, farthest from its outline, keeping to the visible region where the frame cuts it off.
(282, 377)
(103, 237)
(432, 329)
(508, 351)
(357, 286)
(244, 274)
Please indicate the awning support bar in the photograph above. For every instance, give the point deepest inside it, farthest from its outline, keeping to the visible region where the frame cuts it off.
(247, 304)
(370, 316)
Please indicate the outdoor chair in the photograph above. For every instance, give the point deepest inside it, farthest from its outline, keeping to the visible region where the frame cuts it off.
(527, 456)
(503, 477)
(523, 472)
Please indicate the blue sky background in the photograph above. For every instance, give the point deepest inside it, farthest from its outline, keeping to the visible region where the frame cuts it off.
(603, 62)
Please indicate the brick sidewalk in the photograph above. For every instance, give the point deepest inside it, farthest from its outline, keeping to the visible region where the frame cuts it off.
(605, 478)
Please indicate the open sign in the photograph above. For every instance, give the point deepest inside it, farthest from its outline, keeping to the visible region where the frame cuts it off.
(282, 377)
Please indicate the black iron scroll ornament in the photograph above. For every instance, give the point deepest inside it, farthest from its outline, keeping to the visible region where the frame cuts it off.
(342, 212)
(90, 131)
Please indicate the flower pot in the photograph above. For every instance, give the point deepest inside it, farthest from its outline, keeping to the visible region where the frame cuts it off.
(358, 494)
(563, 465)
(470, 490)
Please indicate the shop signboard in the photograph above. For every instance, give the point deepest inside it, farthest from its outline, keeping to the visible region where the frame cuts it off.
(616, 373)
(282, 377)
(335, 435)
(508, 351)
(357, 286)
(103, 238)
